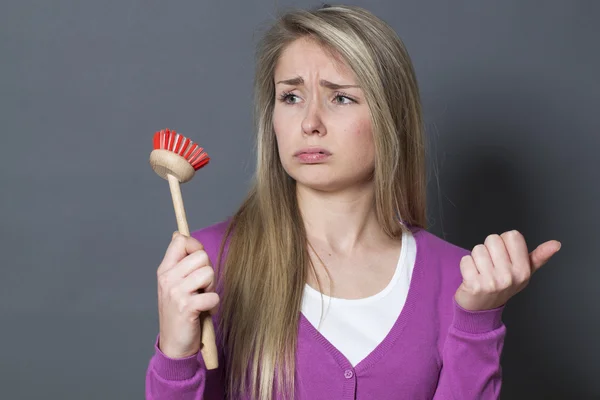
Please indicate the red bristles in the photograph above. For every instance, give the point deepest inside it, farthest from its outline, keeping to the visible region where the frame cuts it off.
(170, 140)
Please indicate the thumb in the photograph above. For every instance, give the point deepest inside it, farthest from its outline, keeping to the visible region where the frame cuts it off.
(543, 253)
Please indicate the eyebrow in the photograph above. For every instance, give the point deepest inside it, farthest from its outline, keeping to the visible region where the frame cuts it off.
(329, 85)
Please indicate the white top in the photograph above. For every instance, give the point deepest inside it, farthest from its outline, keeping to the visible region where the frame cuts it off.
(356, 327)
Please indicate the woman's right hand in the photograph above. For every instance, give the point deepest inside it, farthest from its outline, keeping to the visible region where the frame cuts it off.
(184, 270)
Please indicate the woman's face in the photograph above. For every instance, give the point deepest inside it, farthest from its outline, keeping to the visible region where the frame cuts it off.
(321, 120)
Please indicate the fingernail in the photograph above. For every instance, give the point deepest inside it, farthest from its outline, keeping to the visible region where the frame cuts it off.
(559, 246)
(174, 235)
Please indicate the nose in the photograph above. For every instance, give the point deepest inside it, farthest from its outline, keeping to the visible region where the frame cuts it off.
(312, 122)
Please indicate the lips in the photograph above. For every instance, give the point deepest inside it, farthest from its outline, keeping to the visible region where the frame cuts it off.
(312, 155)
(313, 150)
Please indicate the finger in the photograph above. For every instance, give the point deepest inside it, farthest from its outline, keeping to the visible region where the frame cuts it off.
(543, 253)
(201, 278)
(500, 259)
(498, 252)
(205, 302)
(189, 264)
(180, 247)
(468, 270)
(483, 260)
(517, 250)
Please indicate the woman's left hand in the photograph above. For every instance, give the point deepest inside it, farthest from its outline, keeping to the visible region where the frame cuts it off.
(499, 269)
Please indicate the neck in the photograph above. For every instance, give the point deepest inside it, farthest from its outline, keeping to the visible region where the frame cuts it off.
(342, 221)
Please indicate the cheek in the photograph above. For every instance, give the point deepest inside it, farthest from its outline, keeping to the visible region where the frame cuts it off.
(282, 137)
(362, 143)
(281, 118)
(280, 129)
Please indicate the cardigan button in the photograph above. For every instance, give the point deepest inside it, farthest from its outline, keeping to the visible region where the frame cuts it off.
(348, 374)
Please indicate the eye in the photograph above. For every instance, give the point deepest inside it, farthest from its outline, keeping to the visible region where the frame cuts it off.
(288, 98)
(343, 99)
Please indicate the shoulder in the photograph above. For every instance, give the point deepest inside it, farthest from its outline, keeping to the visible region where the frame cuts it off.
(440, 258)
(211, 237)
(438, 247)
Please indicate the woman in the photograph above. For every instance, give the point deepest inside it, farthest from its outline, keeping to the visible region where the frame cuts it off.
(328, 283)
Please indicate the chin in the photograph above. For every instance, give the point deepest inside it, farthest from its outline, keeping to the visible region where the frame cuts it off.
(320, 187)
(320, 182)
(322, 179)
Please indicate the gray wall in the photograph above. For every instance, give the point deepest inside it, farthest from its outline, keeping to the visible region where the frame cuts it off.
(511, 98)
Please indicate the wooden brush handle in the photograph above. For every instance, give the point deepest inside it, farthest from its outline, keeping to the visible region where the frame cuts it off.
(182, 225)
(209, 346)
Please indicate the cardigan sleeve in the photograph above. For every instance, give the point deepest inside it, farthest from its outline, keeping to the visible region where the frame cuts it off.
(471, 356)
(182, 379)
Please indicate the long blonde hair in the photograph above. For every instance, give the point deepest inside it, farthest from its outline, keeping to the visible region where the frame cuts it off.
(267, 262)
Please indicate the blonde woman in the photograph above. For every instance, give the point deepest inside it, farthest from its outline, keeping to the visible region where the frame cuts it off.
(325, 283)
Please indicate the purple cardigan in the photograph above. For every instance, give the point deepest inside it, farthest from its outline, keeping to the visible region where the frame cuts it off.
(435, 350)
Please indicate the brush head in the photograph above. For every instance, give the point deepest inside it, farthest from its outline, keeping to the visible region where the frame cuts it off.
(176, 155)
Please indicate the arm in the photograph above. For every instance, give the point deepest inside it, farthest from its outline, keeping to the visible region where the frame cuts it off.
(182, 379)
(471, 356)
(186, 288)
(491, 275)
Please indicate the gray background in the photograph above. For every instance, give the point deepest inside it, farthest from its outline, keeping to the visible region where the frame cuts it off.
(511, 97)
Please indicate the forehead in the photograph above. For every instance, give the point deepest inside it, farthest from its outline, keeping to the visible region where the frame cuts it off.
(305, 57)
